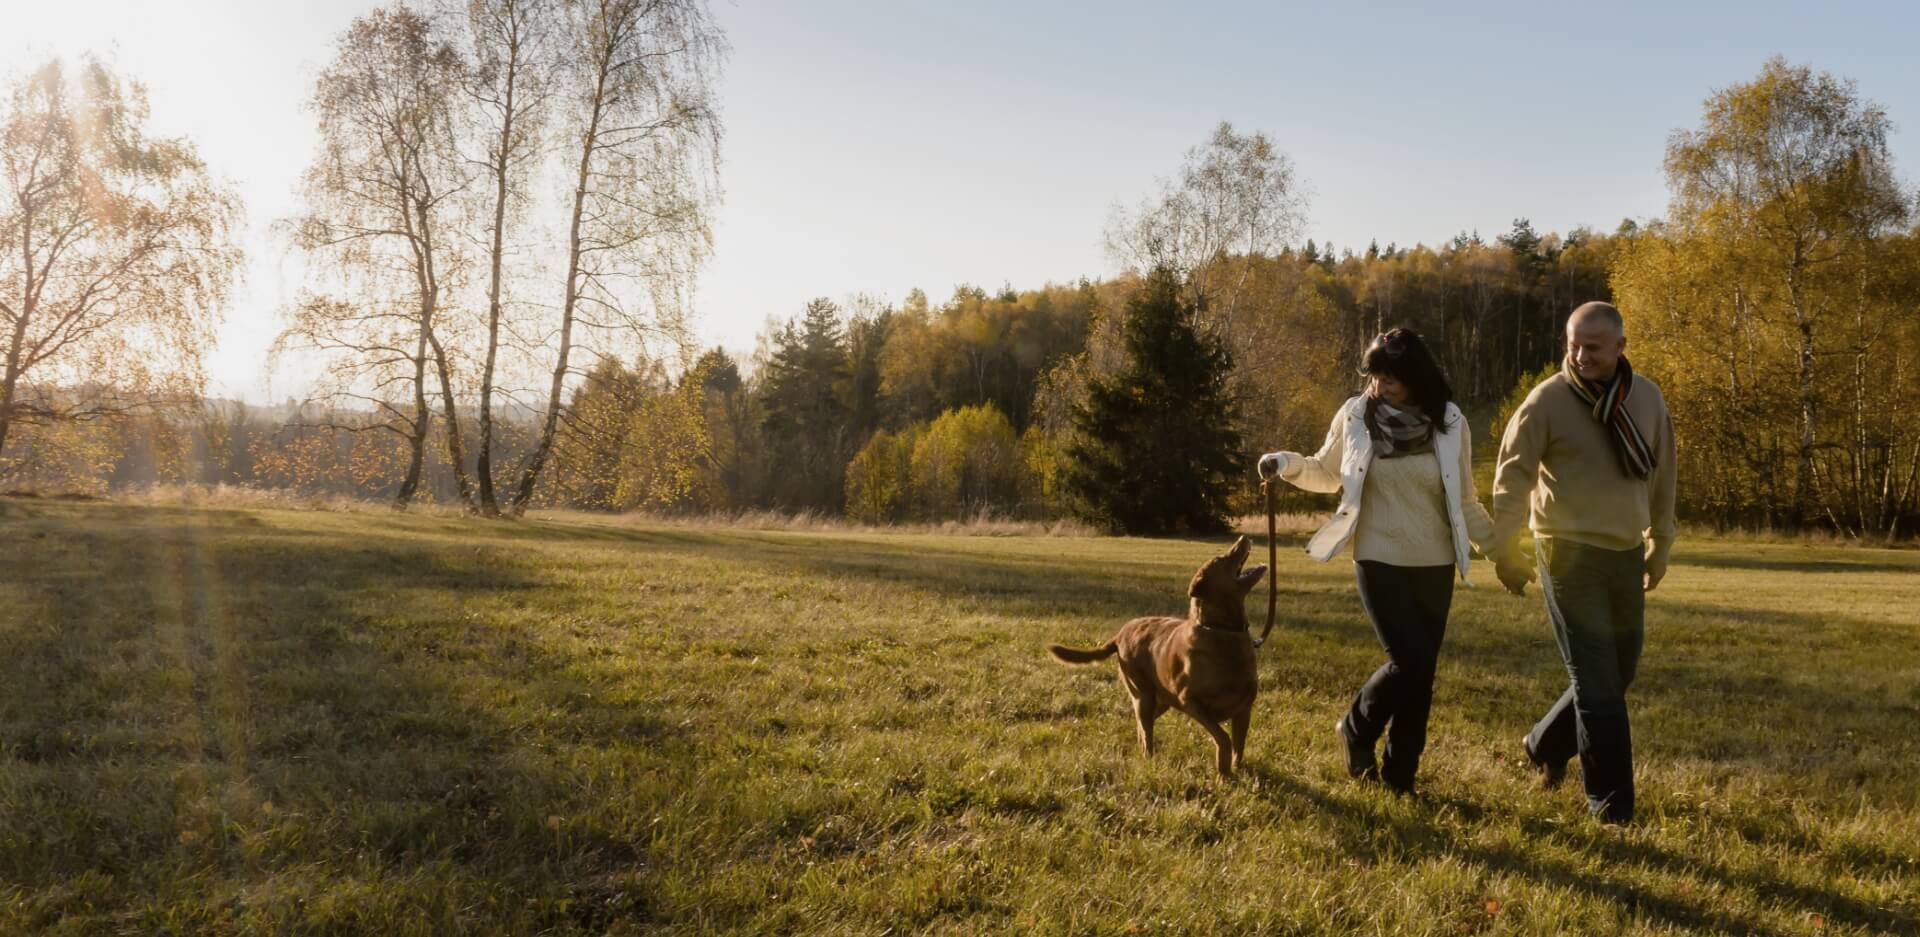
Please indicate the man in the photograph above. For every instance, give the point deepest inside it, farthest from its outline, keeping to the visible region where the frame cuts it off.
(1588, 462)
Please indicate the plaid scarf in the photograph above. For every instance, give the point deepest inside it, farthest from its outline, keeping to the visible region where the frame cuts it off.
(1395, 431)
(1609, 402)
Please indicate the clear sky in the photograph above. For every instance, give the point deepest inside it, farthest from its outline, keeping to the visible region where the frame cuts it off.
(878, 146)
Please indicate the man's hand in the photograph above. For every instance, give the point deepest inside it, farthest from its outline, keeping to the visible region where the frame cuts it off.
(1656, 571)
(1514, 572)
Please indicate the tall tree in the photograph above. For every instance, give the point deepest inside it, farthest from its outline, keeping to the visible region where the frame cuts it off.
(380, 196)
(1155, 450)
(116, 252)
(639, 92)
(509, 86)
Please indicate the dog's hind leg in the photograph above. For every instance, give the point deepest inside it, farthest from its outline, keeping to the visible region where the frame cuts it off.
(1147, 705)
(1240, 723)
(1144, 712)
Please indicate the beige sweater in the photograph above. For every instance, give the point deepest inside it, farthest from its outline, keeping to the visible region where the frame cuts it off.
(1558, 472)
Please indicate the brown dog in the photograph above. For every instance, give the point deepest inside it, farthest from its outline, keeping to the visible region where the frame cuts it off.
(1202, 665)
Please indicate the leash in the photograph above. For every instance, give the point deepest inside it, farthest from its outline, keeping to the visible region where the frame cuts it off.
(1273, 563)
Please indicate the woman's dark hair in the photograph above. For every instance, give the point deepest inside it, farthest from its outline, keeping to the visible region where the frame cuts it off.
(1401, 354)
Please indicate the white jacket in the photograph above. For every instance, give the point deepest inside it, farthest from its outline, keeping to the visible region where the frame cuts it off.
(1341, 465)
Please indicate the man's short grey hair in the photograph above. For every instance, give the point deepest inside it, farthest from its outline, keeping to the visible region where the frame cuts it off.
(1604, 311)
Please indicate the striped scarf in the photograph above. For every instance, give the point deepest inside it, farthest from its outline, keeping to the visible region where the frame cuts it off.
(1609, 402)
(1395, 431)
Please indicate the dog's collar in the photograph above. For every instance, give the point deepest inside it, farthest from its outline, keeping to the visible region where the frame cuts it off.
(1240, 630)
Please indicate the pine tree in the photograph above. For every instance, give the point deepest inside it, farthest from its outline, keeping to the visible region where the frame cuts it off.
(807, 413)
(1155, 449)
(866, 338)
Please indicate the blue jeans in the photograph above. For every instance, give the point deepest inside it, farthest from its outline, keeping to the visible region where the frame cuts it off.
(1597, 606)
(1408, 606)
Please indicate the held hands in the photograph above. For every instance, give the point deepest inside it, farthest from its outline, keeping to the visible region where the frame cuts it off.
(1513, 569)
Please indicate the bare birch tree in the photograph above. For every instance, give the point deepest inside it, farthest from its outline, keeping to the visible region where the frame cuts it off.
(643, 142)
(1235, 195)
(509, 85)
(381, 197)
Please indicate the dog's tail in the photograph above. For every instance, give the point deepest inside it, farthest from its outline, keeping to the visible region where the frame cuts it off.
(1074, 655)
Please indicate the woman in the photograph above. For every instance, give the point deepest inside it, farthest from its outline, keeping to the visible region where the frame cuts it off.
(1400, 457)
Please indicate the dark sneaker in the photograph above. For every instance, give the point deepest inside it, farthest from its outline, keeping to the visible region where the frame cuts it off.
(1360, 762)
(1550, 774)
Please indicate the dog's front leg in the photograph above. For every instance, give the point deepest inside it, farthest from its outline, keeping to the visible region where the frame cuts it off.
(1222, 745)
(1240, 723)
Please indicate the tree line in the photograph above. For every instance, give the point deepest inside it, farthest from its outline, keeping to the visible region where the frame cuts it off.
(1777, 303)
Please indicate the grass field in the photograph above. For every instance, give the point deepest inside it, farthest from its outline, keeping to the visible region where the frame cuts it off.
(269, 721)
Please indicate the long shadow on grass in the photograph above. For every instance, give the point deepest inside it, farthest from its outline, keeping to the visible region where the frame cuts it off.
(1038, 586)
(1765, 695)
(272, 700)
(1792, 702)
(1361, 828)
(1719, 559)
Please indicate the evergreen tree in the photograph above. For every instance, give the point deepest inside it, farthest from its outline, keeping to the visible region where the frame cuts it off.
(808, 419)
(1523, 241)
(1155, 448)
(866, 338)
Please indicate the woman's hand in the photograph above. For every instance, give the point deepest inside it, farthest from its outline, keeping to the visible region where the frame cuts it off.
(1274, 463)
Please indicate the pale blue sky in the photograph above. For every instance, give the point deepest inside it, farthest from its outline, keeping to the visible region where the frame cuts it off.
(874, 147)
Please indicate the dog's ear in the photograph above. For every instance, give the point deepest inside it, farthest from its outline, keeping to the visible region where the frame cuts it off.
(1251, 576)
(1193, 588)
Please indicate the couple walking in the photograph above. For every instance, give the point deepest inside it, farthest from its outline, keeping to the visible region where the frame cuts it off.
(1587, 461)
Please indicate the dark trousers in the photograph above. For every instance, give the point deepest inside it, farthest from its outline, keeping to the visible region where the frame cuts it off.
(1408, 606)
(1595, 600)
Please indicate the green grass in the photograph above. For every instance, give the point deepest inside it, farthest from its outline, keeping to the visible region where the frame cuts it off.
(264, 721)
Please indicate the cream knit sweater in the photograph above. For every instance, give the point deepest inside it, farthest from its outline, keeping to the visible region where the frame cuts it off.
(1403, 517)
